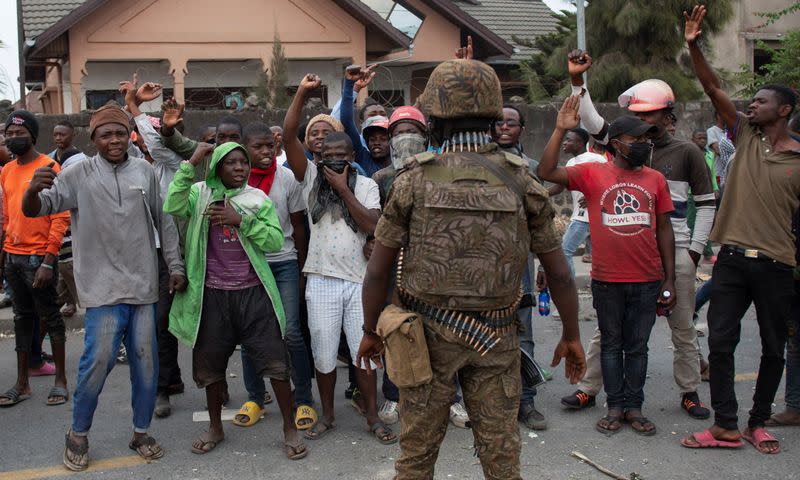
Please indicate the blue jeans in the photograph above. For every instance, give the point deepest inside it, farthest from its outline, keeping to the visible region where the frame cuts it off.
(577, 233)
(702, 296)
(626, 313)
(106, 327)
(525, 316)
(287, 277)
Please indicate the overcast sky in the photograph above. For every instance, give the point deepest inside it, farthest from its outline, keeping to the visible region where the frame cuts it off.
(9, 66)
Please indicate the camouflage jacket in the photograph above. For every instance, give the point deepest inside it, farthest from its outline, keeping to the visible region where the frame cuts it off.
(465, 234)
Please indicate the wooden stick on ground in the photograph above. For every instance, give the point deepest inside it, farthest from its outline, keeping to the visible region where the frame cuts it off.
(603, 469)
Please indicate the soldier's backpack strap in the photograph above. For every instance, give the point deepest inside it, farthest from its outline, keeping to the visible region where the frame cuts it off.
(511, 181)
(515, 160)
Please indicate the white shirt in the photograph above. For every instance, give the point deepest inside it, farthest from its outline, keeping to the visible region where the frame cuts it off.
(287, 197)
(335, 250)
(578, 213)
(281, 159)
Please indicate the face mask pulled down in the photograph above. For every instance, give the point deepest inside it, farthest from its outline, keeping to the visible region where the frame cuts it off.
(19, 145)
(323, 198)
(405, 146)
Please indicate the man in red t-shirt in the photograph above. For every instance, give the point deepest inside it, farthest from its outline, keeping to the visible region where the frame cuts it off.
(633, 267)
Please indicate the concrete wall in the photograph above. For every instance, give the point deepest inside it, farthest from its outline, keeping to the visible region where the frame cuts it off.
(539, 118)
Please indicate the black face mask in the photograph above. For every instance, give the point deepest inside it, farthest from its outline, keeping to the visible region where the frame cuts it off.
(19, 145)
(638, 153)
(335, 164)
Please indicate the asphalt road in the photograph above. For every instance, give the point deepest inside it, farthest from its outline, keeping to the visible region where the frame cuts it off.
(32, 434)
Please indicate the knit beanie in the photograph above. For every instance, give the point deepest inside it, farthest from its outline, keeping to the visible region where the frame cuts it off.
(25, 119)
(322, 117)
(108, 114)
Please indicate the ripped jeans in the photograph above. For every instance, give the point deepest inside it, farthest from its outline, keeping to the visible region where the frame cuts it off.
(106, 328)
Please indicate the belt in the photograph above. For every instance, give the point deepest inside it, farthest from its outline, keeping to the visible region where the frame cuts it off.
(747, 252)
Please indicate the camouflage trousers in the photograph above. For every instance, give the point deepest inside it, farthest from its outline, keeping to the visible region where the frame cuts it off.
(491, 388)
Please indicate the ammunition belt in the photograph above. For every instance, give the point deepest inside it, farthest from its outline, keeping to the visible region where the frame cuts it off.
(480, 330)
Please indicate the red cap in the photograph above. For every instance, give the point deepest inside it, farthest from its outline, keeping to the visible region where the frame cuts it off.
(408, 114)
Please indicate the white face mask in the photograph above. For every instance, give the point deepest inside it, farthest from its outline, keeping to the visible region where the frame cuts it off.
(405, 146)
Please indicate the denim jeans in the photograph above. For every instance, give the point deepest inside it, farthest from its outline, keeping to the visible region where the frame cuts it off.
(32, 304)
(525, 316)
(106, 327)
(287, 277)
(739, 282)
(702, 296)
(577, 233)
(626, 313)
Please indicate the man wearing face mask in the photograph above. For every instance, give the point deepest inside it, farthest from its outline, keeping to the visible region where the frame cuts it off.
(684, 167)
(407, 137)
(629, 214)
(30, 248)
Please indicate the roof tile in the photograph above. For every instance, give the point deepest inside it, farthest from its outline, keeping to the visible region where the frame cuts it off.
(39, 15)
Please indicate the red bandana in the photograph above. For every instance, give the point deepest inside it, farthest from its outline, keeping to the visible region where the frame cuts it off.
(262, 178)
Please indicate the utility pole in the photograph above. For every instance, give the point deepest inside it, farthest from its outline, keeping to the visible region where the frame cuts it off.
(581, 19)
(20, 49)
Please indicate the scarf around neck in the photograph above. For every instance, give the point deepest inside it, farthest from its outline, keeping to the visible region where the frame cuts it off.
(262, 178)
(323, 198)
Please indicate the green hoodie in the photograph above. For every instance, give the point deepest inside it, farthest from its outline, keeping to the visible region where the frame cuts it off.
(259, 232)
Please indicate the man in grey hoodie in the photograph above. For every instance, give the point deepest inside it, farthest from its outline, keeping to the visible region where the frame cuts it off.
(115, 209)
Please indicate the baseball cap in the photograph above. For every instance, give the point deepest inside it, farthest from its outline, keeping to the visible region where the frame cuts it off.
(374, 122)
(628, 124)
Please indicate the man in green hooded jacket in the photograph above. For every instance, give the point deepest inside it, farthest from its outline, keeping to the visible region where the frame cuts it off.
(232, 297)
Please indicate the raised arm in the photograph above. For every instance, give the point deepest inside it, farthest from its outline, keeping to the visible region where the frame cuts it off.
(295, 153)
(567, 119)
(578, 63)
(709, 81)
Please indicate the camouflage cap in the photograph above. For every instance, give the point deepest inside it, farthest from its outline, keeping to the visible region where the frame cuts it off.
(462, 89)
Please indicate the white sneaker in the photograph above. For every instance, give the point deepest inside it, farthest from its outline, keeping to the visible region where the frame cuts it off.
(388, 412)
(459, 416)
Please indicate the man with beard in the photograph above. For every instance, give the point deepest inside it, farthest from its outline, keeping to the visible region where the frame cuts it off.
(343, 208)
(757, 257)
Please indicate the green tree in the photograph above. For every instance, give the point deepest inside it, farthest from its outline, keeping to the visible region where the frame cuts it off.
(271, 87)
(543, 78)
(783, 67)
(632, 41)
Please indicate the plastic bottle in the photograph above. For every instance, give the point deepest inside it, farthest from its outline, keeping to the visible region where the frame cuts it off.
(661, 310)
(544, 302)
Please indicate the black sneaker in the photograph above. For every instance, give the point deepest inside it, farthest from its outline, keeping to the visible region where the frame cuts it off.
(694, 407)
(578, 400)
(531, 417)
(348, 393)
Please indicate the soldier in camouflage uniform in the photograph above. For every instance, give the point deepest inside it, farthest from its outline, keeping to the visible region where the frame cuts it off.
(463, 221)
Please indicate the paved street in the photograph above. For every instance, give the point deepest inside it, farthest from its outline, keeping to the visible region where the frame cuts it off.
(33, 434)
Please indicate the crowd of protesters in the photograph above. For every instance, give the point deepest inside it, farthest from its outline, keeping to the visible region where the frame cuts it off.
(260, 236)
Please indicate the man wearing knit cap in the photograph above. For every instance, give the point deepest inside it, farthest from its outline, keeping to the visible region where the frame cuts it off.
(115, 205)
(30, 251)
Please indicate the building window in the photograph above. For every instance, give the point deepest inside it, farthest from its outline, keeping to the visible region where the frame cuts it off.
(212, 98)
(97, 98)
(320, 93)
(401, 17)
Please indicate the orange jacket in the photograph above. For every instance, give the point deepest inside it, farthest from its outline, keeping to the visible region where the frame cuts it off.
(24, 235)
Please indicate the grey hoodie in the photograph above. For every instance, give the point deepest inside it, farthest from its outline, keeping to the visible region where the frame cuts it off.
(114, 209)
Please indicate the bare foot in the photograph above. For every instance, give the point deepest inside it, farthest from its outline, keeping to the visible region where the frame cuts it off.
(727, 435)
(767, 444)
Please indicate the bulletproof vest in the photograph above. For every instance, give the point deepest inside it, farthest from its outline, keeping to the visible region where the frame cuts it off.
(469, 239)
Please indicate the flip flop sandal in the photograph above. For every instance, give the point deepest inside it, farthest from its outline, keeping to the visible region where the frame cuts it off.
(57, 391)
(14, 396)
(211, 444)
(705, 439)
(47, 369)
(642, 421)
(267, 398)
(761, 435)
(295, 451)
(387, 437)
(75, 448)
(315, 433)
(147, 447)
(305, 417)
(611, 419)
(252, 411)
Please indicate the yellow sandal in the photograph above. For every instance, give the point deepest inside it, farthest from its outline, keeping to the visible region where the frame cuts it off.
(305, 417)
(252, 411)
